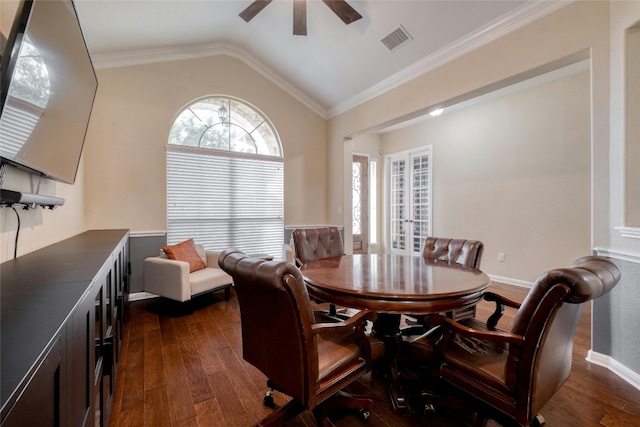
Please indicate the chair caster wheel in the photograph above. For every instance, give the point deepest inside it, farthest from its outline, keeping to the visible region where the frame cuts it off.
(538, 421)
(267, 400)
(429, 409)
(364, 415)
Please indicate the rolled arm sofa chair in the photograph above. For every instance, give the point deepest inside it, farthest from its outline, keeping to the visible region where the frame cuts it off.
(511, 375)
(194, 271)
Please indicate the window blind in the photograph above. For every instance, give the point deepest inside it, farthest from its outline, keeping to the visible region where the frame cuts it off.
(19, 119)
(225, 200)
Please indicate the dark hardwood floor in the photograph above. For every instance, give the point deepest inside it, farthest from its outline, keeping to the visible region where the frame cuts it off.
(186, 369)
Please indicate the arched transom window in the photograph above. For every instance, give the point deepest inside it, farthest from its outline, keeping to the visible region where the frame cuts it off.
(225, 178)
(224, 123)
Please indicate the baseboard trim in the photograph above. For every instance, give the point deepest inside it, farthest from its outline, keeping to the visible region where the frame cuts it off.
(137, 296)
(614, 366)
(510, 281)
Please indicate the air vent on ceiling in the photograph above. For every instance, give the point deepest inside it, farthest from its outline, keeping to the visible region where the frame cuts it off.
(396, 38)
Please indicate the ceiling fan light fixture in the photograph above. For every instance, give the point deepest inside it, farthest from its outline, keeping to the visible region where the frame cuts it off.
(340, 7)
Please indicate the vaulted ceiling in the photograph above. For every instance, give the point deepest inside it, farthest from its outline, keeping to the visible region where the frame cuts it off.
(334, 67)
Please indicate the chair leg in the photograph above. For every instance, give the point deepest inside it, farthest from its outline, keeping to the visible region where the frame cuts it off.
(284, 413)
(339, 402)
(321, 416)
(538, 421)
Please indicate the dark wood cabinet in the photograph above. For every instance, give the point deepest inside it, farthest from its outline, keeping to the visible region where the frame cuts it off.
(43, 400)
(62, 317)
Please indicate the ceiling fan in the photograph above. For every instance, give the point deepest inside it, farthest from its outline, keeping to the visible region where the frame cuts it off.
(340, 7)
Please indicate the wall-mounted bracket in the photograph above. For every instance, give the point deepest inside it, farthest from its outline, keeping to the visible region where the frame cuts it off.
(28, 200)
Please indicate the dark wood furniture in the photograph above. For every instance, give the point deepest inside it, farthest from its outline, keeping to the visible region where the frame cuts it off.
(311, 362)
(310, 244)
(392, 285)
(460, 251)
(62, 319)
(514, 374)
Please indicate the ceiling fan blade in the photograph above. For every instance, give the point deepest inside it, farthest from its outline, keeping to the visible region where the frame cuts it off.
(300, 17)
(252, 10)
(343, 10)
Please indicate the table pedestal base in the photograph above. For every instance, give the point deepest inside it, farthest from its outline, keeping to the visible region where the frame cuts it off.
(387, 328)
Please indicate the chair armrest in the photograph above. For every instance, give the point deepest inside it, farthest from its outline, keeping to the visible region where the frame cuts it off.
(480, 334)
(212, 258)
(500, 303)
(351, 322)
(357, 322)
(167, 277)
(491, 296)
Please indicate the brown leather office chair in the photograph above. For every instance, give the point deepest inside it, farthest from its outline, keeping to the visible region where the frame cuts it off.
(514, 374)
(311, 362)
(459, 251)
(310, 244)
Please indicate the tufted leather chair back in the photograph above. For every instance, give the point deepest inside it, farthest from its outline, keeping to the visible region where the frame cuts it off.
(306, 360)
(465, 252)
(310, 244)
(548, 318)
(273, 297)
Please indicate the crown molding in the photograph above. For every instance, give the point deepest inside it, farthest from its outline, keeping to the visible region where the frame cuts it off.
(522, 16)
(150, 56)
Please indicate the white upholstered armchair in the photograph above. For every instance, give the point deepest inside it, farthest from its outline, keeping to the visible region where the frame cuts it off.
(181, 279)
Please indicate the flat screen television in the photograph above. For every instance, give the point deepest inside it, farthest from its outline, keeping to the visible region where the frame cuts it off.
(48, 89)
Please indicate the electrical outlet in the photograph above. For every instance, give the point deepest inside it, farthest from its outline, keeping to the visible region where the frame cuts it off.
(501, 257)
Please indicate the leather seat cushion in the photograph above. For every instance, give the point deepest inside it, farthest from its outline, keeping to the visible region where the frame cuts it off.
(488, 368)
(336, 352)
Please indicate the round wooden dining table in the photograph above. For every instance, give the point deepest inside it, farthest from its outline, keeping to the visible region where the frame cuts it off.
(393, 285)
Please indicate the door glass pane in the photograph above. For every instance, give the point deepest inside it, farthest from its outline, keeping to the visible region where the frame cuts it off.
(397, 204)
(420, 201)
(373, 201)
(410, 207)
(357, 197)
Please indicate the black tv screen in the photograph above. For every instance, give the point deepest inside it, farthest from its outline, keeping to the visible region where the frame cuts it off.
(48, 90)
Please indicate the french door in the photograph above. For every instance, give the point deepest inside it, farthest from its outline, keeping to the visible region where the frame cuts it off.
(409, 178)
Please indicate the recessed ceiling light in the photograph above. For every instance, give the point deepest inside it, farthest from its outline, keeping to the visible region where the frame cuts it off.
(436, 113)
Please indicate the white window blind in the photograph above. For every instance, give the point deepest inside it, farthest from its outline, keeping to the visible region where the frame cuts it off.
(18, 121)
(225, 200)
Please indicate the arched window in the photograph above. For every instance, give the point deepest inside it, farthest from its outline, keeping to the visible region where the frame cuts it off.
(224, 123)
(225, 178)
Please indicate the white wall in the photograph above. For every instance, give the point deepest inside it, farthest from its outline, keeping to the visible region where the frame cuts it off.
(577, 31)
(515, 173)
